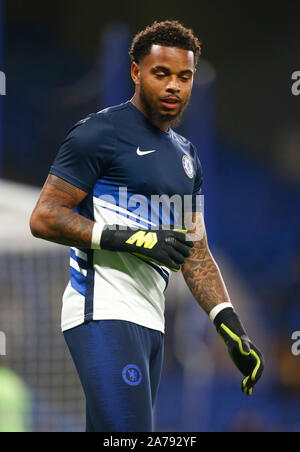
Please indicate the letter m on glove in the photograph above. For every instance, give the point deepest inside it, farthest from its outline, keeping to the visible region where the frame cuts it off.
(143, 239)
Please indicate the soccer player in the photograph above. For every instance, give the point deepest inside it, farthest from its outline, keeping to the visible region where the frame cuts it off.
(113, 307)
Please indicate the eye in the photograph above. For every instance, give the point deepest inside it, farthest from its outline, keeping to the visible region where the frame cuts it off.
(185, 78)
(160, 75)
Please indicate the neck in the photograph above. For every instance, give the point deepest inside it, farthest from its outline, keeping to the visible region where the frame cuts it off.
(136, 101)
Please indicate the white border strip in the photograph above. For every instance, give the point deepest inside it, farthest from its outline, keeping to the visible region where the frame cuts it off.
(75, 265)
(215, 311)
(82, 255)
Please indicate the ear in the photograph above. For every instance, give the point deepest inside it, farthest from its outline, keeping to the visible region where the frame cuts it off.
(135, 73)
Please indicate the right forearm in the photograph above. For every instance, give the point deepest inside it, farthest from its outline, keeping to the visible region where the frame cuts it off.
(64, 227)
(58, 223)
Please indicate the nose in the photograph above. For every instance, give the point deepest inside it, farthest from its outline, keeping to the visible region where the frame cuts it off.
(173, 85)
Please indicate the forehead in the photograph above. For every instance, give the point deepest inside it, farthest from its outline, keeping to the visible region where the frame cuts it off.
(169, 56)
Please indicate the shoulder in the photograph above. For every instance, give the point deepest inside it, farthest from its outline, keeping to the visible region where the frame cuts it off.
(92, 127)
(180, 138)
(114, 112)
(93, 136)
(187, 146)
(101, 124)
(190, 152)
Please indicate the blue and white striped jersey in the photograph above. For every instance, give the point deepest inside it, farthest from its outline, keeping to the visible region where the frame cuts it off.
(124, 163)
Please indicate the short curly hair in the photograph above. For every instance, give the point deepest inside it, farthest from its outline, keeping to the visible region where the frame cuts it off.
(169, 33)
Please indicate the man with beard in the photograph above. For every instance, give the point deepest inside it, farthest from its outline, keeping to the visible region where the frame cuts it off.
(108, 168)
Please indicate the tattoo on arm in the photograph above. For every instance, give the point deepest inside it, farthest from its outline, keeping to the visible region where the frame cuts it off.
(54, 219)
(203, 277)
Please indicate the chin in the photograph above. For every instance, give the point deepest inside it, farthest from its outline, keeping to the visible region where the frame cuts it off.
(172, 115)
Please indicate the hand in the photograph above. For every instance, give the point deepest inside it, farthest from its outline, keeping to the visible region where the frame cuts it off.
(245, 355)
(166, 247)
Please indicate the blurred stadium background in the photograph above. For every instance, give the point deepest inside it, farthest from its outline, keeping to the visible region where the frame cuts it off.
(63, 60)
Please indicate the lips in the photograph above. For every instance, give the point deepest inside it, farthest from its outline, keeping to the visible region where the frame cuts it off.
(170, 102)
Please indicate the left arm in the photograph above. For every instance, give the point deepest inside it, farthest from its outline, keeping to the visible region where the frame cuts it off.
(205, 281)
(202, 274)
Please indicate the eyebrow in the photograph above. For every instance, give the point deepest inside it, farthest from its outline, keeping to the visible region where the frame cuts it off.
(165, 69)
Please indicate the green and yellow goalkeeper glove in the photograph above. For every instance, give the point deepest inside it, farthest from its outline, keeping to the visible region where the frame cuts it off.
(245, 355)
(165, 247)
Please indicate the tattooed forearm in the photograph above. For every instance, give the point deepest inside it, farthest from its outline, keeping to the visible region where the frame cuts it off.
(203, 277)
(53, 218)
(69, 228)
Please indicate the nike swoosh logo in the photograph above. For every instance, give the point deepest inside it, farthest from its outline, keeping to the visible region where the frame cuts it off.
(139, 152)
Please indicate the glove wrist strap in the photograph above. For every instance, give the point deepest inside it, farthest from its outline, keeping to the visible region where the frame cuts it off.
(96, 236)
(230, 319)
(215, 311)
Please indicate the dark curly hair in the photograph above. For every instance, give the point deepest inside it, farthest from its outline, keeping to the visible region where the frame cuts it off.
(169, 33)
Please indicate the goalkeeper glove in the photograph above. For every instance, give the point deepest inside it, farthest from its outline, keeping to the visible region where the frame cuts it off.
(247, 358)
(168, 248)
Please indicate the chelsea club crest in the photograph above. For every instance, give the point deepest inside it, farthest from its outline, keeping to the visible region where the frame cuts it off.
(132, 375)
(188, 166)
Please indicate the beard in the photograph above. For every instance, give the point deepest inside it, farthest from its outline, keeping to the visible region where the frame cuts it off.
(154, 114)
